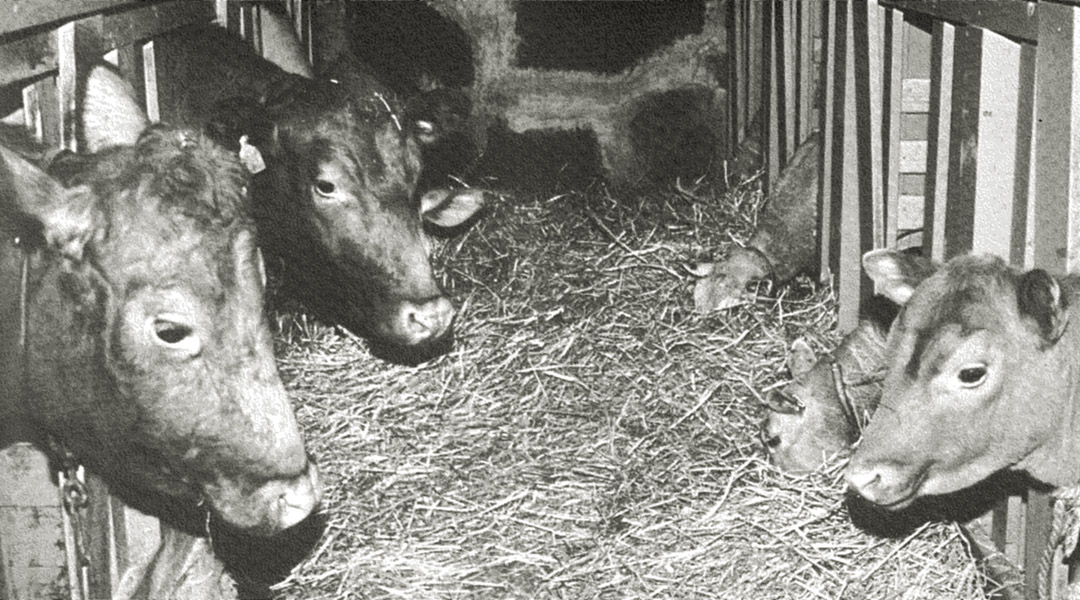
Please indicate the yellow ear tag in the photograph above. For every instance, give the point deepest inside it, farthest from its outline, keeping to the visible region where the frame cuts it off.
(251, 157)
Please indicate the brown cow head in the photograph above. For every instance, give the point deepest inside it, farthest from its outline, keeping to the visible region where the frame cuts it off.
(148, 353)
(337, 206)
(980, 378)
(808, 421)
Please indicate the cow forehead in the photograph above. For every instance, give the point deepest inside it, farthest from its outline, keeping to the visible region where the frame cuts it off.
(171, 206)
(965, 298)
(972, 292)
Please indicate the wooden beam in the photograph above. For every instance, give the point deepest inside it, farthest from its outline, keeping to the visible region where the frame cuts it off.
(27, 57)
(1013, 18)
(23, 14)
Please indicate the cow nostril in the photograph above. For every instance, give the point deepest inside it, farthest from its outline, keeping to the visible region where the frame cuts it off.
(298, 498)
(427, 320)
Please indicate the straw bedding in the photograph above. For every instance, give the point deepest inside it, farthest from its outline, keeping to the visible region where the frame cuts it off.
(589, 436)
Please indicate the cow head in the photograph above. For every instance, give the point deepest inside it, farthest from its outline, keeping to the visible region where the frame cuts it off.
(337, 206)
(148, 353)
(980, 379)
(808, 421)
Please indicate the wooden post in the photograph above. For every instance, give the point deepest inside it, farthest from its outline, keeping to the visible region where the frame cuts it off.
(939, 135)
(827, 232)
(1057, 152)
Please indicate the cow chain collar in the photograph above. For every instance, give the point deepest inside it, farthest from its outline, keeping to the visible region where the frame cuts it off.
(855, 420)
(71, 476)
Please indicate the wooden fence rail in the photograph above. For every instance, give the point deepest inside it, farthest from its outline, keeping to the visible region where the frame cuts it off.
(44, 45)
(947, 125)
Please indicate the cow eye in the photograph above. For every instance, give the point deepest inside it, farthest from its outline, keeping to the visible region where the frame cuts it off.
(972, 376)
(171, 333)
(324, 187)
(176, 335)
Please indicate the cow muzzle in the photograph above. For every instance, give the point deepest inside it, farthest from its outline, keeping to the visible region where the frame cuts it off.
(419, 323)
(270, 508)
(890, 486)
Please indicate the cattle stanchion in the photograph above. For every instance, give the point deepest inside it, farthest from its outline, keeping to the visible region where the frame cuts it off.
(928, 124)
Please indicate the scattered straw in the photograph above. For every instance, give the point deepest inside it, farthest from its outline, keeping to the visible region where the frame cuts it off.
(589, 436)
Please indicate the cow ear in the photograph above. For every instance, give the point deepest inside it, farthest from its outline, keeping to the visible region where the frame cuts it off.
(801, 359)
(1040, 297)
(110, 113)
(450, 208)
(896, 274)
(65, 218)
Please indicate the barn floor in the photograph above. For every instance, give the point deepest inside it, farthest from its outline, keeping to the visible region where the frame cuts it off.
(589, 436)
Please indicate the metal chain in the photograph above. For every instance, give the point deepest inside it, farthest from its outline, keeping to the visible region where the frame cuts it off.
(76, 498)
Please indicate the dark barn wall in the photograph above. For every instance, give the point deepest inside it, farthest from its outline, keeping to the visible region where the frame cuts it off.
(643, 81)
(601, 37)
(410, 45)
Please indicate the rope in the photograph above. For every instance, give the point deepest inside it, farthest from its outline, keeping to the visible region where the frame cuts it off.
(1064, 535)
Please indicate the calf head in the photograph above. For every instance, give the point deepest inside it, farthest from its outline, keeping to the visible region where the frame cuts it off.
(722, 286)
(817, 416)
(148, 354)
(980, 378)
(337, 206)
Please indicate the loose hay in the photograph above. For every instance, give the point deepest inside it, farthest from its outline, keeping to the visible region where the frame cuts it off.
(589, 436)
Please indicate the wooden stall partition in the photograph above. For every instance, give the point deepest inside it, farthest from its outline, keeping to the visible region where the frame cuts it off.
(960, 98)
(44, 45)
(852, 193)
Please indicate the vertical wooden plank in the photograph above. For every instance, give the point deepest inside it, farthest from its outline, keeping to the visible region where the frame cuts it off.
(1007, 528)
(895, 36)
(305, 17)
(939, 138)
(221, 12)
(789, 68)
(998, 116)
(100, 541)
(1032, 128)
(806, 70)
(1057, 153)
(828, 227)
(65, 84)
(150, 79)
(964, 141)
(734, 79)
(1037, 527)
(756, 50)
(742, 72)
(772, 95)
(869, 112)
(847, 155)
